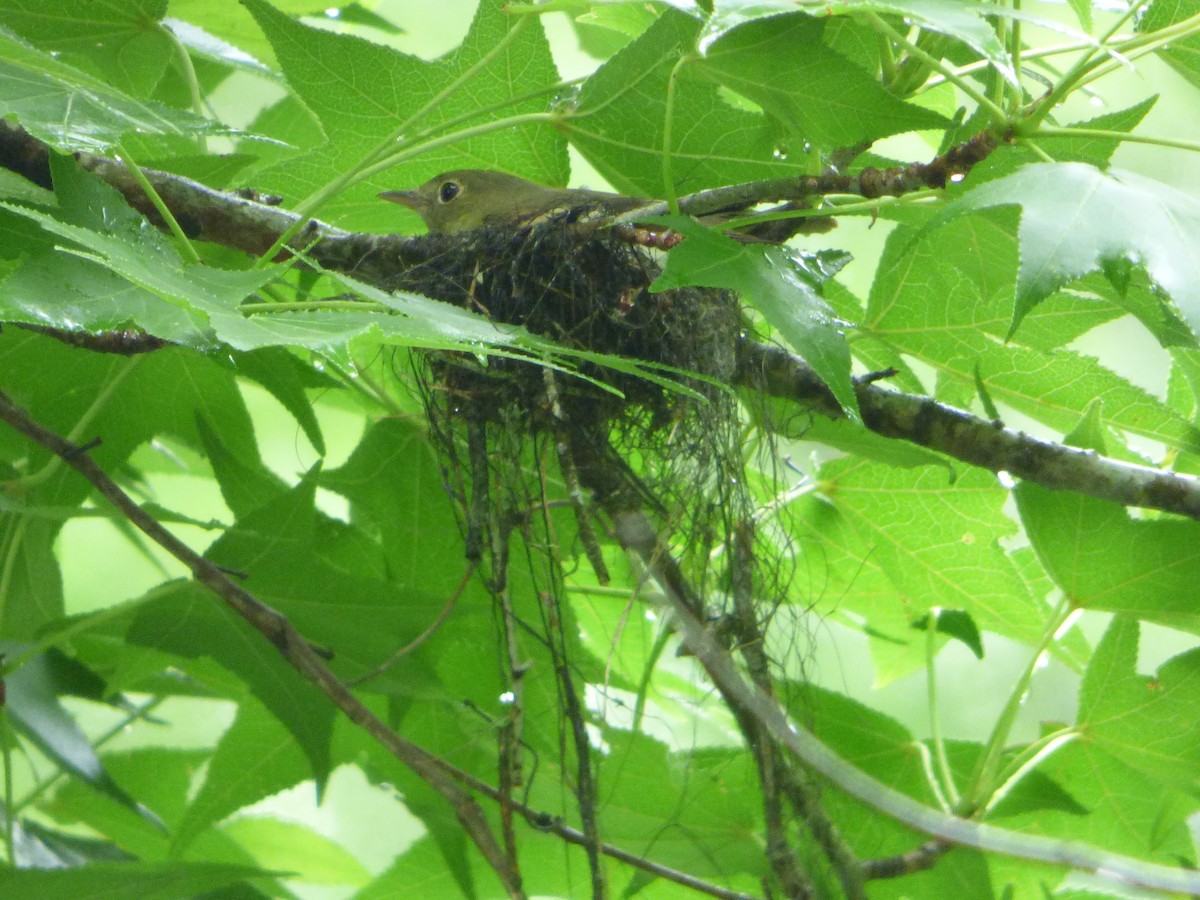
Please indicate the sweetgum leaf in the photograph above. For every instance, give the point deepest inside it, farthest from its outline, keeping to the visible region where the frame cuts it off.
(36, 711)
(619, 116)
(955, 623)
(1182, 54)
(777, 285)
(73, 111)
(966, 22)
(144, 880)
(946, 297)
(363, 92)
(187, 620)
(256, 757)
(121, 40)
(820, 97)
(1076, 219)
(1150, 724)
(139, 278)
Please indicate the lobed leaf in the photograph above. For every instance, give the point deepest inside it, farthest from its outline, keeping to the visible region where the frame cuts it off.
(1077, 219)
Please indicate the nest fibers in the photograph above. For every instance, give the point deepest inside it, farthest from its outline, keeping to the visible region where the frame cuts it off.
(586, 289)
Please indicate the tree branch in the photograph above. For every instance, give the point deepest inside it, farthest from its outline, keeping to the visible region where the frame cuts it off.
(637, 535)
(439, 774)
(958, 434)
(279, 631)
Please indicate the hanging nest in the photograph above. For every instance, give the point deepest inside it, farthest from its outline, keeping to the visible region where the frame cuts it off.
(678, 451)
(586, 290)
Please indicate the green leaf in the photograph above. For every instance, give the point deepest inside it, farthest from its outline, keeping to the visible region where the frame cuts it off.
(33, 693)
(37, 847)
(116, 881)
(256, 757)
(393, 469)
(1150, 724)
(966, 22)
(421, 864)
(1083, 12)
(880, 745)
(363, 92)
(821, 97)
(312, 857)
(946, 299)
(196, 305)
(778, 285)
(618, 121)
(1183, 55)
(702, 799)
(286, 377)
(1152, 577)
(956, 624)
(191, 622)
(1076, 219)
(938, 543)
(123, 41)
(329, 578)
(1096, 149)
(233, 23)
(73, 111)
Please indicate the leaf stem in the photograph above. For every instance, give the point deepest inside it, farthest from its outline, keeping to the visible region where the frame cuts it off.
(1142, 44)
(182, 241)
(1014, 51)
(193, 83)
(1028, 54)
(935, 721)
(672, 195)
(10, 815)
(998, 114)
(858, 206)
(887, 59)
(1036, 150)
(984, 782)
(466, 133)
(1004, 35)
(1149, 140)
(1028, 760)
(1070, 80)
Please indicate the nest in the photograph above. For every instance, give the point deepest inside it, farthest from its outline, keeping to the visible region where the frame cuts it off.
(674, 453)
(587, 291)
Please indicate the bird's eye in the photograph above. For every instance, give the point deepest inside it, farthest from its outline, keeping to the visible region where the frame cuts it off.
(448, 191)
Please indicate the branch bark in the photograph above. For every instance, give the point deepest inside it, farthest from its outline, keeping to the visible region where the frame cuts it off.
(980, 442)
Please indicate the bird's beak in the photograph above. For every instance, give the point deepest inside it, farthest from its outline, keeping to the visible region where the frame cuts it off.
(404, 198)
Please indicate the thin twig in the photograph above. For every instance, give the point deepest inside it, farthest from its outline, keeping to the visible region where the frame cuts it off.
(279, 631)
(638, 536)
(424, 635)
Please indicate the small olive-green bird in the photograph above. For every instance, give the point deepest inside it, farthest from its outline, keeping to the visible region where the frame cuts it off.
(471, 198)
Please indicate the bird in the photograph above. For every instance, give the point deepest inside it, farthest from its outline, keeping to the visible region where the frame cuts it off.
(465, 199)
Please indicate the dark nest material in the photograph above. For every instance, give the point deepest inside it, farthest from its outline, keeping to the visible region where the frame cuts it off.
(673, 453)
(588, 290)
(520, 441)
